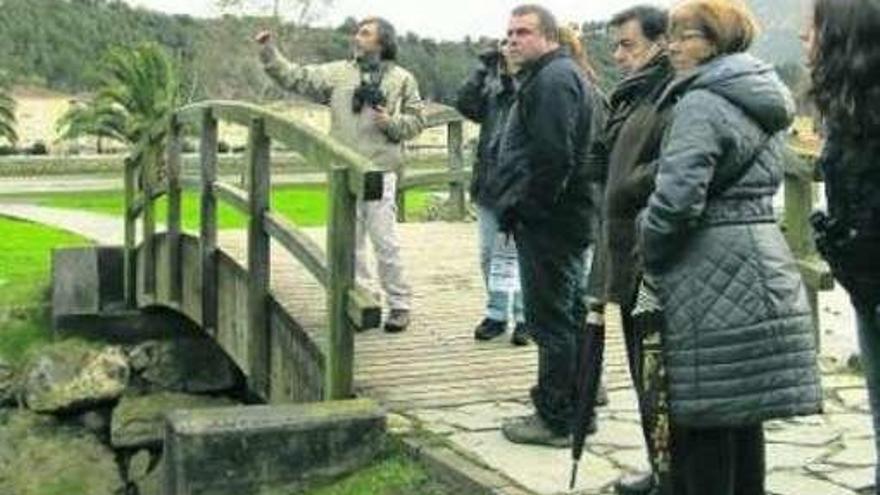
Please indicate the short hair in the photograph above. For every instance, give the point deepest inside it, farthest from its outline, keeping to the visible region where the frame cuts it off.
(728, 24)
(387, 36)
(653, 20)
(546, 20)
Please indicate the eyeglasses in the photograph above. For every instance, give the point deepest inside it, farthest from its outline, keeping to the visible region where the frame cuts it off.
(686, 35)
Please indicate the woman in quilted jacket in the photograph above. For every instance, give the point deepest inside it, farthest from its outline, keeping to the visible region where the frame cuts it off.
(738, 342)
(844, 54)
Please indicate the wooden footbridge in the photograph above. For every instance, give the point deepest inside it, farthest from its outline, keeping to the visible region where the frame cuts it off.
(283, 301)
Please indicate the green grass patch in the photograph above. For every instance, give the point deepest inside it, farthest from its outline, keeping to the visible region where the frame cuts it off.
(394, 475)
(25, 260)
(305, 205)
(25, 264)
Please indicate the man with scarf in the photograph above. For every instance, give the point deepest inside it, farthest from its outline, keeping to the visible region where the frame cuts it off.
(374, 107)
(629, 147)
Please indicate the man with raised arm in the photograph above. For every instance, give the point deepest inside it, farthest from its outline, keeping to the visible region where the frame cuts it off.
(374, 107)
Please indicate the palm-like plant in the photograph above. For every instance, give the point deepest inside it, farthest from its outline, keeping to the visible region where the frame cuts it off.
(7, 115)
(139, 89)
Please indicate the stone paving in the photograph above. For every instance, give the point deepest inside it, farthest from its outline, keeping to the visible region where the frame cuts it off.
(821, 455)
(832, 454)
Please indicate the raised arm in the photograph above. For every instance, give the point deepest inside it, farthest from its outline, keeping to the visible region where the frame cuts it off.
(312, 81)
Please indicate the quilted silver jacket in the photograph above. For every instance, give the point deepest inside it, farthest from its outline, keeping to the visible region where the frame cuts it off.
(739, 340)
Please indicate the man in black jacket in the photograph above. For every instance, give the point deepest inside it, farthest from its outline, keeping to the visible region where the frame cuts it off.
(629, 146)
(541, 193)
(486, 98)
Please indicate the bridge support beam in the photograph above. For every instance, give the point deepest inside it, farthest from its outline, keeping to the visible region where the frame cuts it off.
(340, 254)
(259, 263)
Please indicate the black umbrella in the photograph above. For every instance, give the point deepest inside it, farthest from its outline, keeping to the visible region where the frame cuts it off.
(591, 347)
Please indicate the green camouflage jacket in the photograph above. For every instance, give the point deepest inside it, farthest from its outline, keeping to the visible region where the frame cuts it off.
(333, 84)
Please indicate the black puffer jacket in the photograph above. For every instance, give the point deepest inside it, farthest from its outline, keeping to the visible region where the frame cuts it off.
(852, 188)
(486, 98)
(542, 178)
(739, 344)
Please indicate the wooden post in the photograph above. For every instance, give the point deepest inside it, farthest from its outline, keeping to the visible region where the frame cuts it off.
(130, 253)
(258, 257)
(400, 199)
(208, 225)
(798, 205)
(175, 273)
(340, 257)
(455, 148)
(148, 165)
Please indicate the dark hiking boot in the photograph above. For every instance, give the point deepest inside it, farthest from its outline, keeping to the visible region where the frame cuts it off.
(488, 329)
(532, 430)
(635, 484)
(398, 320)
(521, 335)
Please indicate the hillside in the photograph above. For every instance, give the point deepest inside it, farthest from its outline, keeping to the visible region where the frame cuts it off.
(781, 22)
(58, 44)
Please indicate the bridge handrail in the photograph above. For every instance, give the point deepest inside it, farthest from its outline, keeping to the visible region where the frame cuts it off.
(350, 176)
(801, 175)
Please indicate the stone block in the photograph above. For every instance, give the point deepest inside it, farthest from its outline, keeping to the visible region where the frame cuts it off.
(138, 421)
(75, 282)
(244, 450)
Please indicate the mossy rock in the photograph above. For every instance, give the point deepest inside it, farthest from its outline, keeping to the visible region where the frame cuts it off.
(71, 375)
(138, 421)
(38, 456)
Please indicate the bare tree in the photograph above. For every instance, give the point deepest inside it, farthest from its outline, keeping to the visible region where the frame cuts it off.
(304, 11)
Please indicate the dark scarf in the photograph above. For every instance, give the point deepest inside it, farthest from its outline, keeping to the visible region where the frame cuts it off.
(642, 85)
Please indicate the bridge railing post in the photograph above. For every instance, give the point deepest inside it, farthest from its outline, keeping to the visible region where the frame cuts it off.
(208, 224)
(174, 149)
(455, 148)
(130, 252)
(149, 165)
(799, 197)
(258, 252)
(340, 257)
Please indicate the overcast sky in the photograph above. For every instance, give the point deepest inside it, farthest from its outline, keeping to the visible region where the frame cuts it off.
(441, 19)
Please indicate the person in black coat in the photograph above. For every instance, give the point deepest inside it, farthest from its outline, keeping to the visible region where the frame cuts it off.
(844, 54)
(627, 153)
(541, 193)
(486, 98)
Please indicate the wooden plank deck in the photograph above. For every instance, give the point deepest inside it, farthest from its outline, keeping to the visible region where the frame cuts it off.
(436, 363)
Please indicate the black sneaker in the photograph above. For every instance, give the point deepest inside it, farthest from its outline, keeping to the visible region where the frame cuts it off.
(520, 335)
(488, 329)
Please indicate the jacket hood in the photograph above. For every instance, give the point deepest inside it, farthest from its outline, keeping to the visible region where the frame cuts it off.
(750, 84)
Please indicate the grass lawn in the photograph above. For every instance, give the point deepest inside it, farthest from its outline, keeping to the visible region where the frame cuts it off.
(395, 475)
(305, 205)
(25, 264)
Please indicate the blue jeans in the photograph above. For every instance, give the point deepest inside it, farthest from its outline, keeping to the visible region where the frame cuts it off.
(497, 247)
(868, 322)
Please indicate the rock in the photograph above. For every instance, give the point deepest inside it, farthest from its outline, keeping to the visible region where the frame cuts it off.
(152, 483)
(189, 364)
(96, 421)
(8, 386)
(137, 421)
(71, 375)
(140, 465)
(144, 470)
(47, 457)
